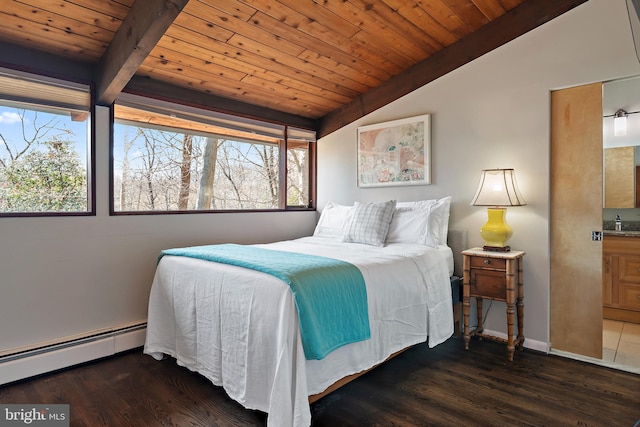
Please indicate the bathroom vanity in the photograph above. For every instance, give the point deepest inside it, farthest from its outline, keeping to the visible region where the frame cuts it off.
(621, 275)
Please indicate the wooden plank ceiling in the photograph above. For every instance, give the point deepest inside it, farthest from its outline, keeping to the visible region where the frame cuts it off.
(319, 64)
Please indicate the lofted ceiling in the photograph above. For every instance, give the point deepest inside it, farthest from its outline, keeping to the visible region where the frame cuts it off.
(318, 64)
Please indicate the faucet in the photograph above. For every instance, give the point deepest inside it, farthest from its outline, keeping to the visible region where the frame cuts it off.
(618, 222)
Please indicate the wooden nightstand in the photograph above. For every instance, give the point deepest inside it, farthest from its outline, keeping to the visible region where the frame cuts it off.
(496, 276)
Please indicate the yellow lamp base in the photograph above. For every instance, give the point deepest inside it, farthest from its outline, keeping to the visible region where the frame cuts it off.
(496, 231)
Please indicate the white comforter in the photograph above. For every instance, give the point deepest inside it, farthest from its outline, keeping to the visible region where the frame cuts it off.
(239, 328)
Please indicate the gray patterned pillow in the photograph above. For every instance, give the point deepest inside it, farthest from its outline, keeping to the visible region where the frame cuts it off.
(370, 223)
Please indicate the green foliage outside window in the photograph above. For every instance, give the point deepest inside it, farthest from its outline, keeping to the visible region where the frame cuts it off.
(41, 167)
(49, 179)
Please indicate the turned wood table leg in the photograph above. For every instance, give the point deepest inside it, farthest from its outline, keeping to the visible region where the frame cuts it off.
(479, 315)
(520, 306)
(465, 302)
(511, 338)
(511, 300)
(465, 310)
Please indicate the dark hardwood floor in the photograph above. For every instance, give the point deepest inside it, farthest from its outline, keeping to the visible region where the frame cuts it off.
(443, 386)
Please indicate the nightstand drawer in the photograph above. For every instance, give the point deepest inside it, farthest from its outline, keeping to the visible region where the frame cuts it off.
(488, 284)
(485, 262)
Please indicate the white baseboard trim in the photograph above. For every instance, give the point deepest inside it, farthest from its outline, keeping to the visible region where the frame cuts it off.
(528, 343)
(39, 361)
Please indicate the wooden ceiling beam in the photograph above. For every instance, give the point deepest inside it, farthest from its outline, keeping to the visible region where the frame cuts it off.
(142, 28)
(163, 91)
(44, 63)
(509, 26)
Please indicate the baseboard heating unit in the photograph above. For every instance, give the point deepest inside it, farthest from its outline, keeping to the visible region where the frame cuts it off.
(30, 361)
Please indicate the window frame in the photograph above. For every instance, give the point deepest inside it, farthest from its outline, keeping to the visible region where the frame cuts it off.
(311, 149)
(90, 147)
(282, 171)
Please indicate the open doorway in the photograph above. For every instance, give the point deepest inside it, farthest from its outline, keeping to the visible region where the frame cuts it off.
(590, 277)
(621, 222)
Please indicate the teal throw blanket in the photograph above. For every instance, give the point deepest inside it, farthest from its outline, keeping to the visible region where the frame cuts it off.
(330, 294)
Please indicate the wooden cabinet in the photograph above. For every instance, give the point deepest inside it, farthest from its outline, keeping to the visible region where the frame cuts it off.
(621, 278)
(495, 276)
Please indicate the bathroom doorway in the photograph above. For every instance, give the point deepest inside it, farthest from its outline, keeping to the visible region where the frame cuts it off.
(621, 222)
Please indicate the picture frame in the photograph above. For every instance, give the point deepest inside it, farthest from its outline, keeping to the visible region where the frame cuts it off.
(395, 153)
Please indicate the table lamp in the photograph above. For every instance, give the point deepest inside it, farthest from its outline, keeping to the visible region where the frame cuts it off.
(497, 189)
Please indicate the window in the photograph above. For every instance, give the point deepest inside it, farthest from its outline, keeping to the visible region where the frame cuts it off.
(169, 157)
(44, 146)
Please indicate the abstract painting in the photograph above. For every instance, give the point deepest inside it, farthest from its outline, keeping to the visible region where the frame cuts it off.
(395, 153)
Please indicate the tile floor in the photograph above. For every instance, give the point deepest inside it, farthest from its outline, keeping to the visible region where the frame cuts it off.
(621, 343)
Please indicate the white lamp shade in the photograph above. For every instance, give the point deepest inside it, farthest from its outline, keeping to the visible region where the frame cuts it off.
(620, 125)
(498, 187)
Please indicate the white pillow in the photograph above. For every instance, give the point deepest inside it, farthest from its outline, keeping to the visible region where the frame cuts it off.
(333, 219)
(370, 223)
(439, 218)
(437, 211)
(408, 225)
(418, 204)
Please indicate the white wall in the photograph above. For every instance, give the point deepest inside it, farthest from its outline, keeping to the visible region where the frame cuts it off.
(494, 113)
(71, 275)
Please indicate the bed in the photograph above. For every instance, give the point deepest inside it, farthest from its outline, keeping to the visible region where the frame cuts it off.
(240, 327)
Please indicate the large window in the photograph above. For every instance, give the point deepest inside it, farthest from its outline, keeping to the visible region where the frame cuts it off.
(44, 146)
(168, 157)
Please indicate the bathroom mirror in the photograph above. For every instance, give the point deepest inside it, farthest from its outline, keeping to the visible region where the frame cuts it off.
(621, 155)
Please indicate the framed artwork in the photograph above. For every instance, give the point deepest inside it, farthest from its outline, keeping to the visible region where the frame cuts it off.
(395, 153)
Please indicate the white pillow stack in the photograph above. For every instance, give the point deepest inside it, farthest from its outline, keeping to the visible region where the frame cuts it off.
(423, 222)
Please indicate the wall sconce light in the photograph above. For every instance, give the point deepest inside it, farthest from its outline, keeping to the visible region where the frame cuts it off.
(620, 123)
(497, 189)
